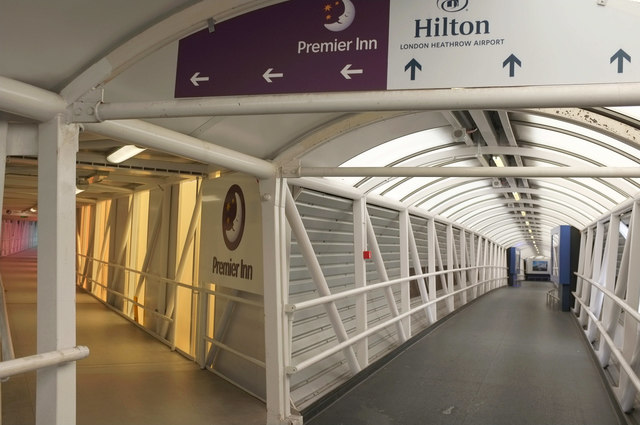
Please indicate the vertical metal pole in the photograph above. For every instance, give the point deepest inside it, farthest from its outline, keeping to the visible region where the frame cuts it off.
(56, 309)
(191, 231)
(417, 266)
(463, 265)
(594, 256)
(405, 298)
(631, 339)
(4, 129)
(473, 263)
(276, 295)
(581, 261)
(449, 283)
(383, 276)
(311, 260)
(359, 246)
(612, 315)
(431, 264)
(606, 276)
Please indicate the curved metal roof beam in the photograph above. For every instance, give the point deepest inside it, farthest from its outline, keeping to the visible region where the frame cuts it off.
(473, 221)
(575, 216)
(171, 29)
(441, 209)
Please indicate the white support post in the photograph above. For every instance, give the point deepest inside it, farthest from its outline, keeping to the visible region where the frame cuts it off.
(56, 309)
(598, 261)
(276, 295)
(405, 297)
(473, 256)
(606, 275)
(463, 265)
(592, 258)
(581, 262)
(443, 278)
(422, 287)
(383, 276)
(4, 132)
(432, 242)
(311, 260)
(630, 348)
(359, 247)
(610, 311)
(450, 266)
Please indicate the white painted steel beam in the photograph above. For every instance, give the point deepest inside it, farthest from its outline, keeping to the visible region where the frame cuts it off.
(29, 101)
(360, 275)
(311, 260)
(155, 137)
(276, 295)
(487, 172)
(626, 94)
(56, 328)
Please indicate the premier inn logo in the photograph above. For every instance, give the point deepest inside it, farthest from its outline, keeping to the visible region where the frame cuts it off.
(452, 6)
(233, 217)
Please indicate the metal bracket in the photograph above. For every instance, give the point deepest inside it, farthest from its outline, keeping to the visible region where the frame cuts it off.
(294, 420)
(290, 170)
(85, 108)
(602, 2)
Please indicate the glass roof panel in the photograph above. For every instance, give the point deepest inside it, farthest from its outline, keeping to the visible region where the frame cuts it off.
(432, 202)
(581, 147)
(394, 150)
(630, 111)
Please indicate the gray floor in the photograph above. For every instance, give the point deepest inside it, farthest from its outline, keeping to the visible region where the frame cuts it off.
(506, 359)
(130, 378)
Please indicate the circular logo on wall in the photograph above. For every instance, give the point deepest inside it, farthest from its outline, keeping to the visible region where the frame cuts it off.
(453, 5)
(233, 217)
(338, 15)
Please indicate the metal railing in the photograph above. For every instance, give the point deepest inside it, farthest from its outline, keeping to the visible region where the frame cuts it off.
(290, 309)
(628, 310)
(205, 343)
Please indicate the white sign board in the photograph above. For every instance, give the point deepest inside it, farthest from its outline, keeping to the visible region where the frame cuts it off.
(490, 43)
(231, 233)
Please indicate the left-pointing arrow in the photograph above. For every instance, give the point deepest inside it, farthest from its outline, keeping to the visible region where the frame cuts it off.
(269, 75)
(347, 71)
(196, 78)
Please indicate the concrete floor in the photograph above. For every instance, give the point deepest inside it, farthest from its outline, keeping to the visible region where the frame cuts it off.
(129, 378)
(506, 359)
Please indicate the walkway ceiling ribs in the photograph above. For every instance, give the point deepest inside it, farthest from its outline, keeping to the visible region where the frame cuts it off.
(128, 50)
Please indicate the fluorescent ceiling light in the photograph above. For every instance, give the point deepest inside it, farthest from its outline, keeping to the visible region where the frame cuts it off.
(516, 196)
(498, 161)
(527, 223)
(524, 213)
(79, 190)
(124, 153)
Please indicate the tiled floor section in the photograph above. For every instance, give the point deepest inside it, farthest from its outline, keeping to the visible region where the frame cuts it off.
(130, 378)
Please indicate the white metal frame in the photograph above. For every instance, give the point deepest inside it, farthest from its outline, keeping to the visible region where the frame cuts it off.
(601, 299)
(485, 263)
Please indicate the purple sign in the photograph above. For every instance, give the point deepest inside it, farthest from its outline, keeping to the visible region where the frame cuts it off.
(299, 46)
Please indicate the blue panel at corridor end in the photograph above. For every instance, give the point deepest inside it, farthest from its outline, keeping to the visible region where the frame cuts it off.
(513, 263)
(565, 250)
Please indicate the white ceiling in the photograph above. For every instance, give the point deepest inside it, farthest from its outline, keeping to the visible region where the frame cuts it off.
(129, 49)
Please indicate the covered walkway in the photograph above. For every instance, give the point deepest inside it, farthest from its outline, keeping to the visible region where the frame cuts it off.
(129, 378)
(505, 359)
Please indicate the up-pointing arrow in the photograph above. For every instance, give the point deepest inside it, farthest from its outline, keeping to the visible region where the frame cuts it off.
(620, 55)
(413, 64)
(512, 61)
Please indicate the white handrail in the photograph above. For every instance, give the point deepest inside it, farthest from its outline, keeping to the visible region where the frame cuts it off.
(612, 346)
(291, 308)
(628, 309)
(38, 361)
(292, 369)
